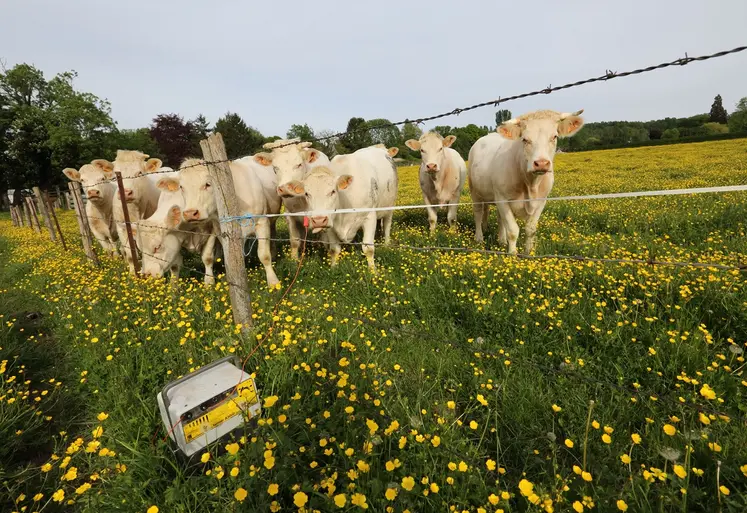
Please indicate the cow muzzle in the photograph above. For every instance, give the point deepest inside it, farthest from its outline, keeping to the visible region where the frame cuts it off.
(541, 166)
(319, 223)
(431, 169)
(93, 194)
(192, 215)
(129, 195)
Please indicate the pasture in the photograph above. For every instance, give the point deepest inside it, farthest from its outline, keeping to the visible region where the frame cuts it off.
(448, 381)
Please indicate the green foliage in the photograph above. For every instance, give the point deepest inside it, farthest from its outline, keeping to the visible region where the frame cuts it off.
(303, 132)
(738, 119)
(718, 112)
(240, 139)
(671, 133)
(716, 128)
(383, 132)
(466, 136)
(502, 116)
(356, 136)
(174, 138)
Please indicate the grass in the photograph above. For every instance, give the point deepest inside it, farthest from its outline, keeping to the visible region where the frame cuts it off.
(447, 381)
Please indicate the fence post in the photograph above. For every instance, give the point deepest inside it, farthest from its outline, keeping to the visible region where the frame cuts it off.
(54, 218)
(214, 152)
(34, 215)
(13, 218)
(85, 231)
(25, 208)
(60, 197)
(128, 225)
(45, 214)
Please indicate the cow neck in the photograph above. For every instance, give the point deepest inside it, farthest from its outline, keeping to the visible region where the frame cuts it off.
(446, 180)
(104, 210)
(532, 182)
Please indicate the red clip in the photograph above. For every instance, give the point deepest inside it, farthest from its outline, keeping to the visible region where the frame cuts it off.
(305, 221)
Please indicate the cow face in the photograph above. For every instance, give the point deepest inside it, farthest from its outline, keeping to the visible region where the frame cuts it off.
(321, 190)
(538, 133)
(432, 151)
(95, 180)
(159, 245)
(291, 161)
(197, 190)
(133, 166)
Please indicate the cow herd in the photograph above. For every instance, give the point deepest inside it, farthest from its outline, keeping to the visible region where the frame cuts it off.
(335, 198)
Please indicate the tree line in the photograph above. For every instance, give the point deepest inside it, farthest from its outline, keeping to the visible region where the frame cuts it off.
(47, 125)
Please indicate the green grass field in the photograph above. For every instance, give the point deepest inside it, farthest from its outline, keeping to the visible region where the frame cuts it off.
(448, 381)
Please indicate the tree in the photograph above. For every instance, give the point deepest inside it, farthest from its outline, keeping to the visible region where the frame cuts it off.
(409, 131)
(356, 136)
(382, 131)
(139, 139)
(200, 130)
(502, 116)
(718, 112)
(240, 139)
(173, 137)
(738, 118)
(303, 132)
(671, 133)
(327, 145)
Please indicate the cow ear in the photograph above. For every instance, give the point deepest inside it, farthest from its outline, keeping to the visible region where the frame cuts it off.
(312, 156)
(344, 182)
(570, 125)
(168, 184)
(153, 165)
(413, 144)
(303, 145)
(449, 140)
(509, 130)
(393, 151)
(174, 217)
(263, 159)
(103, 165)
(72, 174)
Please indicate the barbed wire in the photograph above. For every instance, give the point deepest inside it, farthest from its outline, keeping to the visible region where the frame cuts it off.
(608, 75)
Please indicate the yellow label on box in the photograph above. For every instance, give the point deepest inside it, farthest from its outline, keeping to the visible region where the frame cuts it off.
(229, 408)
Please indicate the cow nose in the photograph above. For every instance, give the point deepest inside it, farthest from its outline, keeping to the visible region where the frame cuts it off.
(191, 215)
(319, 221)
(93, 193)
(128, 193)
(431, 168)
(541, 165)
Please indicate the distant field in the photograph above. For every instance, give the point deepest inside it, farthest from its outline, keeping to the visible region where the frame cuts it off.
(458, 381)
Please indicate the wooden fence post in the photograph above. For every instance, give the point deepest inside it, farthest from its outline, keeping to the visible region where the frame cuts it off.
(85, 231)
(60, 197)
(45, 214)
(34, 215)
(13, 216)
(214, 152)
(54, 219)
(128, 224)
(25, 208)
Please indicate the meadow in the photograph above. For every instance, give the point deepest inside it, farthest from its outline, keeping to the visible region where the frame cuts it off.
(447, 381)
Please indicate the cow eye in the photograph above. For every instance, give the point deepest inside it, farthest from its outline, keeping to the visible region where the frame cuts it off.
(298, 166)
(333, 192)
(207, 185)
(155, 250)
(554, 138)
(526, 141)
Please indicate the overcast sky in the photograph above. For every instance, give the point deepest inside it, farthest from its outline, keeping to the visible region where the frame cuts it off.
(278, 63)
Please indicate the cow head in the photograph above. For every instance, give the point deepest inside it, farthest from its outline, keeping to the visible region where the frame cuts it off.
(133, 166)
(321, 190)
(431, 147)
(160, 246)
(197, 190)
(538, 132)
(95, 178)
(292, 161)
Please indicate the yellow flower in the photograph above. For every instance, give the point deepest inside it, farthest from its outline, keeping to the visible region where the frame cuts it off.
(625, 458)
(102, 416)
(390, 494)
(452, 466)
(153, 509)
(363, 466)
(38, 497)
(714, 446)
(595, 424)
(636, 438)
(526, 487)
(434, 488)
(83, 488)
(473, 425)
(70, 475)
(577, 469)
(408, 483)
(358, 499)
(232, 449)
(556, 408)
(59, 496)
(462, 466)
(270, 401)
(234, 471)
(680, 471)
(724, 490)
(608, 430)
(451, 405)
(704, 419)
(707, 392)
(586, 476)
(569, 443)
(340, 500)
(240, 494)
(436, 441)
(273, 489)
(46, 467)
(482, 400)
(490, 464)
(372, 427)
(205, 457)
(743, 468)
(621, 505)
(493, 499)
(577, 506)
(300, 499)
(606, 438)
(670, 429)
(98, 432)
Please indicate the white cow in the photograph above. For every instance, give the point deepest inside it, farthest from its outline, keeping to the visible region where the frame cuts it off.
(266, 174)
(161, 236)
(100, 192)
(516, 164)
(141, 193)
(442, 174)
(200, 206)
(364, 179)
(292, 161)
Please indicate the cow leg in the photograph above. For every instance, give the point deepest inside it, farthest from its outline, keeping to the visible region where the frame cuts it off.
(175, 269)
(273, 236)
(452, 214)
(432, 217)
(333, 247)
(295, 237)
(531, 228)
(479, 210)
(208, 257)
(369, 231)
(509, 226)
(263, 251)
(387, 221)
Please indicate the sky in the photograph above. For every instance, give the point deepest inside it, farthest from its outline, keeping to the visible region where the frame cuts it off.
(280, 63)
